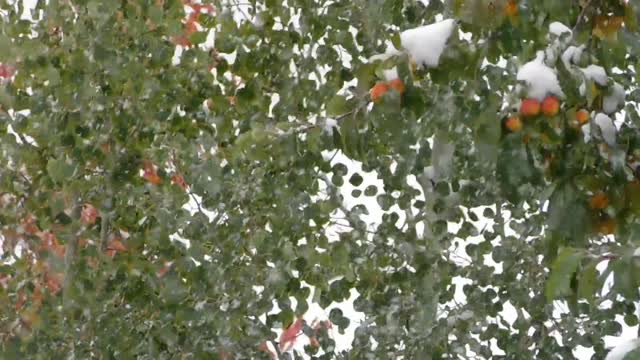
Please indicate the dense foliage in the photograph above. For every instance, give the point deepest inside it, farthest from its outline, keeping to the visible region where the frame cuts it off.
(106, 135)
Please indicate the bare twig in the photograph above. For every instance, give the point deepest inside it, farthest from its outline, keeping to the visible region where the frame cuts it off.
(580, 17)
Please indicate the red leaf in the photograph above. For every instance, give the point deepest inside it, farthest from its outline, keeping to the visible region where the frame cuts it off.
(191, 27)
(289, 335)
(265, 348)
(7, 71)
(179, 180)
(167, 265)
(314, 342)
(29, 225)
(115, 246)
(50, 243)
(54, 282)
(20, 300)
(89, 214)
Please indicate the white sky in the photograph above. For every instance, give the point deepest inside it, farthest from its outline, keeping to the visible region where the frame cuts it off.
(343, 341)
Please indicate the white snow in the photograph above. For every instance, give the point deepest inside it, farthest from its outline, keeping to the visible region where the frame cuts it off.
(329, 125)
(558, 28)
(441, 159)
(612, 101)
(595, 73)
(619, 352)
(541, 80)
(424, 45)
(607, 127)
(586, 132)
(391, 73)
(442, 155)
(572, 55)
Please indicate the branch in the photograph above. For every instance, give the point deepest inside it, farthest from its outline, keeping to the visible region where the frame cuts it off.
(105, 214)
(580, 17)
(313, 126)
(277, 348)
(104, 230)
(70, 251)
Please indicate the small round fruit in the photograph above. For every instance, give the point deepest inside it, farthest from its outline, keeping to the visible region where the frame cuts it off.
(513, 123)
(599, 201)
(607, 226)
(530, 107)
(550, 106)
(397, 85)
(582, 116)
(378, 91)
(511, 9)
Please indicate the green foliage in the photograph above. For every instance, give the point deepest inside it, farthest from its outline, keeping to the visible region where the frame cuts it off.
(105, 136)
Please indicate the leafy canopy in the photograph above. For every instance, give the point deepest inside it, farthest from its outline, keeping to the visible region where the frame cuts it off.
(303, 189)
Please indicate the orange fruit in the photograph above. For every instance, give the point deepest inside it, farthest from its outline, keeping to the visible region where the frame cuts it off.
(607, 226)
(511, 9)
(397, 85)
(582, 116)
(378, 90)
(550, 106)
(599, 201)
(513, 123)
(530, 107)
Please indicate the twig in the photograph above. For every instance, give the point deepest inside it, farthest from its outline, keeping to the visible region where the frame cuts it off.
(104, 230)
(580, 17)
(277, 348)
(313, 126)
(192, 195)
(70, 252)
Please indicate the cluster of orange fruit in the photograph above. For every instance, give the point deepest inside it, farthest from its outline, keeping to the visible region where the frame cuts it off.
(605, 225)
(381, 87)
(550, 106)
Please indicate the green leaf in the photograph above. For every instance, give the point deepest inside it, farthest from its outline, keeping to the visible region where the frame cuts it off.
(338, 105)
(198, 37)
(59, 170)
(568, 214)
(632, 355)
(562, 271)
(588, 283)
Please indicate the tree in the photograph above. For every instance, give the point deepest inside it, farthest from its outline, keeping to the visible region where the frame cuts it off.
(492, 135)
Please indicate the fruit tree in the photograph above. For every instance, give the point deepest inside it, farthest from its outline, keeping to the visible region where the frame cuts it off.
(443, 179)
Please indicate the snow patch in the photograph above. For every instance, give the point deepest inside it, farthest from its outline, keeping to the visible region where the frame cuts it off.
(586, 132)
(424, 45)
(595, 73)
(607, 127)
(611, 102)
(541, 80)
(558, 28)
(329, 125)
(620, 351)
(572, 55)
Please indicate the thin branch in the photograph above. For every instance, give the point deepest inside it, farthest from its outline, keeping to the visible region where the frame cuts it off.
(70, 251)
(104, 230)
(580, 17)
(277, 348)
(192, 195)
(313, 126)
